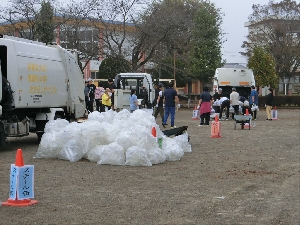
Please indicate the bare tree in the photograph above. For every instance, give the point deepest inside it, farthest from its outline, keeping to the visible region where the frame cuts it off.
(137, 33)
(165, 29)
(76, 30)
(276, 27)
(21, 17)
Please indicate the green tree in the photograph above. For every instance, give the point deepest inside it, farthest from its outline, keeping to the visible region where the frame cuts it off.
(263, 66)
(45, 23)
(167, 71)
(205, 54)
(275, 27)
(112, 65)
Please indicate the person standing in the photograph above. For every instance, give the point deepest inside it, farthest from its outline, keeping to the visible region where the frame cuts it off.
(106, 99)
(133, 101)
(224, 103)
(269, 103)
(217, 96)
(159, 102)
(98, 97)
(112, 88)
(86, 95)
(144, 96)
(92, 89)
(253, 101)
(169, 100)
(234, 101)
(205, 107)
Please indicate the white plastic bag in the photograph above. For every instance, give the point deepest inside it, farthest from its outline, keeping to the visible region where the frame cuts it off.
(216, 103)
(183, 141)
(112, 154)
(156, 155)
(231, 109)
(172, 150)
(70, 151)
(136, 156)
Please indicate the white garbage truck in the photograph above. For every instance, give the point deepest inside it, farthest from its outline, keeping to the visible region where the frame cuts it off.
(241, 78)
(125, 82)
(38, 83)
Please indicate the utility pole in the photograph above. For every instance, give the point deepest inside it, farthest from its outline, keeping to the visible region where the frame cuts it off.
(174, 69)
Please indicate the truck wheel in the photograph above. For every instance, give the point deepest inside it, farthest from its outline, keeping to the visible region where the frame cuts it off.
(39, 136)
(2, 140)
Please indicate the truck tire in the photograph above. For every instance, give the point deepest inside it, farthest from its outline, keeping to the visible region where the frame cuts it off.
(2, 140)
(39, 136)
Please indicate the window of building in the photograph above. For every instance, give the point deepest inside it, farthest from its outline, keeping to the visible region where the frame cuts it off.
(95, 75)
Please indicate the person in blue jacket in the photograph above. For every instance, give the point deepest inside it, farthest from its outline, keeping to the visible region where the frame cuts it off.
(253, 100)
(133, 101)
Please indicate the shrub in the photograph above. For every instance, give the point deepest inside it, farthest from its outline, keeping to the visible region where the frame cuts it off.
(280, 101)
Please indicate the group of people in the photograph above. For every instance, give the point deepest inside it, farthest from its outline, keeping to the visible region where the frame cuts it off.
(102, 97)
(206, 102)
(164, 103)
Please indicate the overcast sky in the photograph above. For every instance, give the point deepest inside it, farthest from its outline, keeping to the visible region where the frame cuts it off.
(236, 14)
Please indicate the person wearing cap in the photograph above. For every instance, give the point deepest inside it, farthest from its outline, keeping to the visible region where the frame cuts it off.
(269, 103)
(92, 88)
(169, 100)
(159, 102)
(215, 97)
(253, 101)
(112, 88)
(205, 107)
(234, 101)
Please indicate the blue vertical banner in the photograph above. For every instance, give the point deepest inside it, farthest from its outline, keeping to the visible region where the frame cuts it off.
(14, 171)
(25, 186)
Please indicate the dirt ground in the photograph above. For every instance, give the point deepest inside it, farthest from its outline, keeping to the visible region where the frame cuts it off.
(245, 177)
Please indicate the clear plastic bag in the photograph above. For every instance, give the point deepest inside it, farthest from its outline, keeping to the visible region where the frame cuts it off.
(137, 156)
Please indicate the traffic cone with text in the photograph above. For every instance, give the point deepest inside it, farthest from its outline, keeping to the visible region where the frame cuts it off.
(16, 202)
(247, 124)
(195, 115)
(215, 128)
(274, 114)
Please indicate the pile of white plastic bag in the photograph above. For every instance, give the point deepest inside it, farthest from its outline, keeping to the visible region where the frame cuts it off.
(113, 138)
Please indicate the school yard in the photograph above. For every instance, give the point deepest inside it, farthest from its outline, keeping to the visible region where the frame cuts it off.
(245, 177)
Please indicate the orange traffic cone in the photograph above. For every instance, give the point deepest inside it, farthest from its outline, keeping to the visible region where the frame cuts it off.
(153, 131)
(215, 128)
(16, 202)
(216, 118)
(247, 112)
(19, 158)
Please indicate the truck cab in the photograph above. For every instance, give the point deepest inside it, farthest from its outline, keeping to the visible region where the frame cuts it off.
(125, 82)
